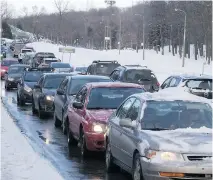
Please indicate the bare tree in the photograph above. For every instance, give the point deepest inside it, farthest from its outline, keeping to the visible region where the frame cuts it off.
(24, 11)
(6, 10)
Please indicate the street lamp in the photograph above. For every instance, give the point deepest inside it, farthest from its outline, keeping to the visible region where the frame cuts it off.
(143, 34)
(119, 44)
(184, 36)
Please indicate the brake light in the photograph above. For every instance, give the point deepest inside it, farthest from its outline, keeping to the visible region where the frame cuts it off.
(158, 84)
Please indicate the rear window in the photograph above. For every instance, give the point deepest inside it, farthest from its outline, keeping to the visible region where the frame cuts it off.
(105, 68)
(49, 61)
(27, 50)
(136, 76)
(53, 82)
(32, 76)
(60, 65)
(16, 69)
(8, 63)
(200, 84)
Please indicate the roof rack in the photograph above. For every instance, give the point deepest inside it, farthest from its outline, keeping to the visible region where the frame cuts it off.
(99, 61)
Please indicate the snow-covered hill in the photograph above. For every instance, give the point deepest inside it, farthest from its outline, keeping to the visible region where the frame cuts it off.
(163, 66)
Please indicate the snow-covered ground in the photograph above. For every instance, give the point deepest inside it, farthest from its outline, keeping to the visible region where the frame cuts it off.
(18, 160)
(163, 66)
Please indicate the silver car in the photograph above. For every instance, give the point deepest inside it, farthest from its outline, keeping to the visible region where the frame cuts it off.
(160, 136)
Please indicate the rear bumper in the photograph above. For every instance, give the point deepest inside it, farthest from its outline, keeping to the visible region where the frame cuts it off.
(95, 141)
(190, 170)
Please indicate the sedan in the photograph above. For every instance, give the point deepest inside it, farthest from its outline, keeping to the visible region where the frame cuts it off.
(5, 65)
(161, 136)
(88, 114)
(67, 91)
(44, 92)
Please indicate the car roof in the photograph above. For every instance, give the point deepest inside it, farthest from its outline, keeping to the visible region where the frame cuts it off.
(112, 84)
(20, 65)
(56, 74)
(136, 67)
(89, 77)
(57, 62)
(173, 95)
(192, 76)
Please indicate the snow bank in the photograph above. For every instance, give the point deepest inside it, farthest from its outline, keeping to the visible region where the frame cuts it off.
(163, 66)
(18, 159)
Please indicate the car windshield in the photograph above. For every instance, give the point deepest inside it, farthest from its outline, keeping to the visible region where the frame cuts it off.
(176, 114)
(110, 97)
(32, 76)
(49, 61)
(105, 68)
(77, 84)
(16, 69)
(8, 63)
(60, 65)
(52, 82)
(200, 84)
(81, 69)
(135, 75)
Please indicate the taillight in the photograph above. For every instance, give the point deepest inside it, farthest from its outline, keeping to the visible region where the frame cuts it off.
(158, 84)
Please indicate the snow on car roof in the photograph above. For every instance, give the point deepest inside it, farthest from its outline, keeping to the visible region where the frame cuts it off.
(171, 94)
(113, 84)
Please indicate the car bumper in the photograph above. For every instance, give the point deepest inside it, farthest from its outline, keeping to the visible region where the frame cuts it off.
(12, 84)
(27, 96)
(95, 141)
(190, 170)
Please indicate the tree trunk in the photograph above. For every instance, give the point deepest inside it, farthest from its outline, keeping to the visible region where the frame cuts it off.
(196, 50)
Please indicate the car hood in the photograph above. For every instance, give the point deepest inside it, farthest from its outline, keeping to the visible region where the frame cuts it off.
(15, 76)
(4, 67)
(30, 84)
(49, 91)
(100, 115)
(180, 140)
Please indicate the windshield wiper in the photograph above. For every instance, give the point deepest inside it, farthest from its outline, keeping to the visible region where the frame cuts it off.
(156, 129)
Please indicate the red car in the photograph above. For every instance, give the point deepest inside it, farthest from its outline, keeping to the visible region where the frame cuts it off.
(5, 65)
(88, 114)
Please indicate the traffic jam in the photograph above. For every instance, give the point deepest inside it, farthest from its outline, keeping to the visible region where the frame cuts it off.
(108, 120)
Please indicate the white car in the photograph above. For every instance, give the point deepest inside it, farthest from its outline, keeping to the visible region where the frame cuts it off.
(23, 51)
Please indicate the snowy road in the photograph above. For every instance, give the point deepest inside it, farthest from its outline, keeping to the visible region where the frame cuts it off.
(51, 143)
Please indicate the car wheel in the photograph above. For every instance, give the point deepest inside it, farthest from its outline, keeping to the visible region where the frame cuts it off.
(33, 107)
(20, 100)
(70, 139)
(41, 114)
(83, 146)
(57, 121)
(64, 126)
(136, 169)
(110, 166)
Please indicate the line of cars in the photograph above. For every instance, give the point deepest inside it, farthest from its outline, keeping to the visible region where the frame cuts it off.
(108, 109)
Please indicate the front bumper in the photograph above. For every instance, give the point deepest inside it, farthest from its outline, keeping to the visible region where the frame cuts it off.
(95, 141)
(191, 170)
(27, 96)
(12, 84)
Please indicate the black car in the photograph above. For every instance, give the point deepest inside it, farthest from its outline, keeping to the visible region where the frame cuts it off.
(44, 92)
(12, 77)
(29, 78)
(136, 74)
(68, 89)
(103, 68)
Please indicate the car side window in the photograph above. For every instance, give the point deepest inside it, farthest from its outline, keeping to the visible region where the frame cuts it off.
(134, 111)
(115, 75)
(166, 83)
(40, 82)
(123, 110)
(63, 85)
(81, 96)
(174, 82)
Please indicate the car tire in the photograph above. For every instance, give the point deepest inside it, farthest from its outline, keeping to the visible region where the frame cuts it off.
(57, 121)
(33, 107)
(6, 87)
(64, 126)
(20, 101)
(70, 139)
(41, 114)
(136, 168)
(82, 144)
(110, 166)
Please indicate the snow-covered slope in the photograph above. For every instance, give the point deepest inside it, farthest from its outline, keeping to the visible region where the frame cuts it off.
(18, 32)
(161, 65)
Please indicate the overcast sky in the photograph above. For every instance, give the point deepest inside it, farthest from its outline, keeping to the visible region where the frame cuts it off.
(74, 4)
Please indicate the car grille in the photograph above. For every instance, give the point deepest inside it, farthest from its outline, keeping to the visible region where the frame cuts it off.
(197, 158)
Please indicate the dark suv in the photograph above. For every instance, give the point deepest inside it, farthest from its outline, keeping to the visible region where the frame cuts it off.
(136, 74)
(103, 68)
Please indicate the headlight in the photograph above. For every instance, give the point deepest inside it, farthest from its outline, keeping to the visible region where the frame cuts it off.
(50, 98)
(3, 70)
(10, 79)
(99, 128)
(165, 156)
(27, 88)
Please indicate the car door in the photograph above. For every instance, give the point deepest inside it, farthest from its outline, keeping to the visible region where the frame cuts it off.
(37, 92)
(76, 116)
(128, 137)
(60, 100)
(116, 131)
(165, 84)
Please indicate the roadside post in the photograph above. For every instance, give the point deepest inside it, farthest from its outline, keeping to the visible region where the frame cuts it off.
(66, 49)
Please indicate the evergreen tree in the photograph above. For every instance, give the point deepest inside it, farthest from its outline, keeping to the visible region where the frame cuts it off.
(19, 26)
(6, 30)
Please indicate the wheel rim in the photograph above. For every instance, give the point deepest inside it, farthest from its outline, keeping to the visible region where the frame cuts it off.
(137, 170)
(108, 156)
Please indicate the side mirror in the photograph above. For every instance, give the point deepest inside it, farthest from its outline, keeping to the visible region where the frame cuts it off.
(126, 123)
(60, 92)
(77, 105)
(37, 86)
